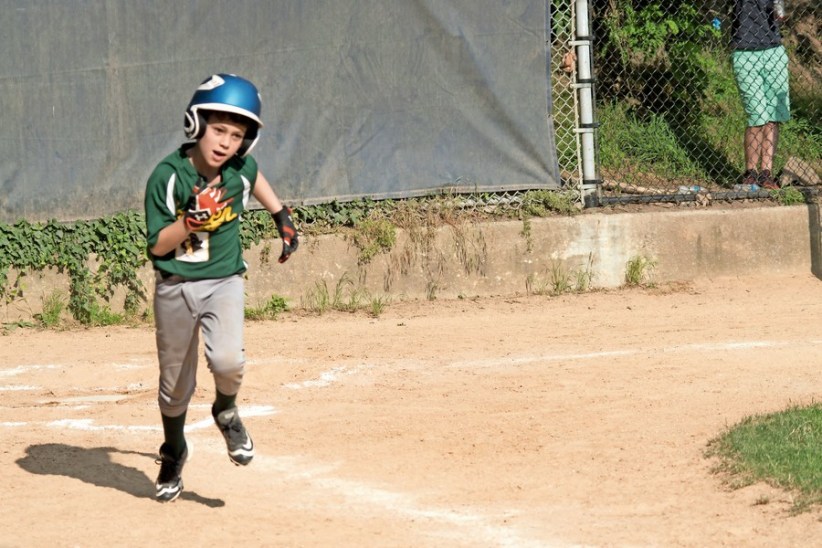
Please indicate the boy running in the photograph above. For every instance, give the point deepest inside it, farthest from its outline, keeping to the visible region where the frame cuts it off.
(193, 202)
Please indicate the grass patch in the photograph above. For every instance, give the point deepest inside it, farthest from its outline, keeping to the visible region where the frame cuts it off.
(317, 299)
(103, 315)
(377, 305)
(648, 144)
(372, 237)
(639, 272)
(781, 449)
(8, 327)
(560, 280)
(788, 196)
(53, 306)
(269, 310)
(543, 203)
(346, 296)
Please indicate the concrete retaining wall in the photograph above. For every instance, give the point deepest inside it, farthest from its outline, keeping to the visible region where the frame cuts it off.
(500, 258)
(507, 258)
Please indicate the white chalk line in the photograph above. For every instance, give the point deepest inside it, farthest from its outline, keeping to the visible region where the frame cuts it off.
(20, 369)
(698, 347)
(337, 373)
(469, 524)
(246, 411)
(326, 378)
(27, 369)
(90, 425)
(474, 524)
(109, 393)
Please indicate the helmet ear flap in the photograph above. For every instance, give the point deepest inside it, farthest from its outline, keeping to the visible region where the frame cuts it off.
(194, 124)
(251, 138)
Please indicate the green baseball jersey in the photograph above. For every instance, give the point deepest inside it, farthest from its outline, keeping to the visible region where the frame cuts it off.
(215, 250)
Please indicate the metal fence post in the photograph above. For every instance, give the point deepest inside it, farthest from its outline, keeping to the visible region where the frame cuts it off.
(584, 86)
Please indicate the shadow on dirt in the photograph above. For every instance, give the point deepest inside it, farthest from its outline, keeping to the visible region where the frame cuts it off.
(94, 466)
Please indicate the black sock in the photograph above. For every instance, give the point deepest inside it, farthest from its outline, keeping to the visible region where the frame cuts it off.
(223, 402)
(174, 431)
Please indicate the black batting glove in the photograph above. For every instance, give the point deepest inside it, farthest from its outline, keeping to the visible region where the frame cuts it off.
(288, 232)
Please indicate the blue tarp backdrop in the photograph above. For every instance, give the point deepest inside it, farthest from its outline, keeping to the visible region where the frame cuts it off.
(361, 98)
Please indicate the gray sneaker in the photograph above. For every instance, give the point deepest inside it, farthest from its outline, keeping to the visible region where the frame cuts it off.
(238, 442)
(169, 482)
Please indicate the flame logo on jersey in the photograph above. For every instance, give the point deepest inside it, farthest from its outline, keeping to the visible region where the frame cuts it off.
(225, 215)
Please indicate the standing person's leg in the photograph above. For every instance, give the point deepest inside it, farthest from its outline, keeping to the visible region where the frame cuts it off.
(760, 144)
(222, 324)
(753, 147)
(776, 108)
(177, 342)
(770, 135)
(748, 74)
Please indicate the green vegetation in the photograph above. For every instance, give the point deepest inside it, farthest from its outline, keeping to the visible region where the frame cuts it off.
(639, 271)
(102, 315)
(668, 110)
(669, 107)
(53, 306)
(377, 305)
(781, 449)
(788, 196)
(268, 310)
(98, 256)
(543, 203)
(372, 237)
(347, 296)
(559, 280)
(102, 257)
(585, 276)
(640, 149)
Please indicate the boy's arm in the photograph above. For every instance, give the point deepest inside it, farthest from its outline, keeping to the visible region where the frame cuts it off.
(281, 214)
(170, 237)
(266, 195)
(164, 230)
(199, 209)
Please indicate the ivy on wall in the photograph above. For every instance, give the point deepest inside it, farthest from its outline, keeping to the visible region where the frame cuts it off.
(101, 255)
(98, 256)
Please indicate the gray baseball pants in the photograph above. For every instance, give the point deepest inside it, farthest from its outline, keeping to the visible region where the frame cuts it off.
(182, 308)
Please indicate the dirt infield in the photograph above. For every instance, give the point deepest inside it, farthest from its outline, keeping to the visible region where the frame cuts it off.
(528, 421)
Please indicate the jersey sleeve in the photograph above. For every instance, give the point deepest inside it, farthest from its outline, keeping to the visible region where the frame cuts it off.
(243, 171)
(160, 203)
(249, 171)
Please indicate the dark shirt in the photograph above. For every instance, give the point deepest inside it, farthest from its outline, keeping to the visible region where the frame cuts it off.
(754, 25)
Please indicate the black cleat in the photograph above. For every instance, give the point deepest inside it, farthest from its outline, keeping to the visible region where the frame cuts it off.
(169, 482)
(238, 442)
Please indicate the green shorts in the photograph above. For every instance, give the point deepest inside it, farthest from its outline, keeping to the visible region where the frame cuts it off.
(762, 77)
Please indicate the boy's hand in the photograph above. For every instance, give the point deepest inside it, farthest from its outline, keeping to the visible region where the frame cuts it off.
(288, 232)
(203, 204)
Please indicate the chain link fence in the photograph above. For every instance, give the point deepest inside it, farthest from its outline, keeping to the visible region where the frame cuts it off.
(671, 117)
(563, 79)
(680, 96)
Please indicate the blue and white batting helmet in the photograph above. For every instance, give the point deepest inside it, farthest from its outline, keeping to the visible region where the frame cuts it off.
(225, 93)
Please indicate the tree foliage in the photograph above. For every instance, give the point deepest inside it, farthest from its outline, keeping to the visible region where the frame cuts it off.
(650, 53)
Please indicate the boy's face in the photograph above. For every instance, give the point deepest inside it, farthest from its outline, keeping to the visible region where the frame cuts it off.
(222, 139)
